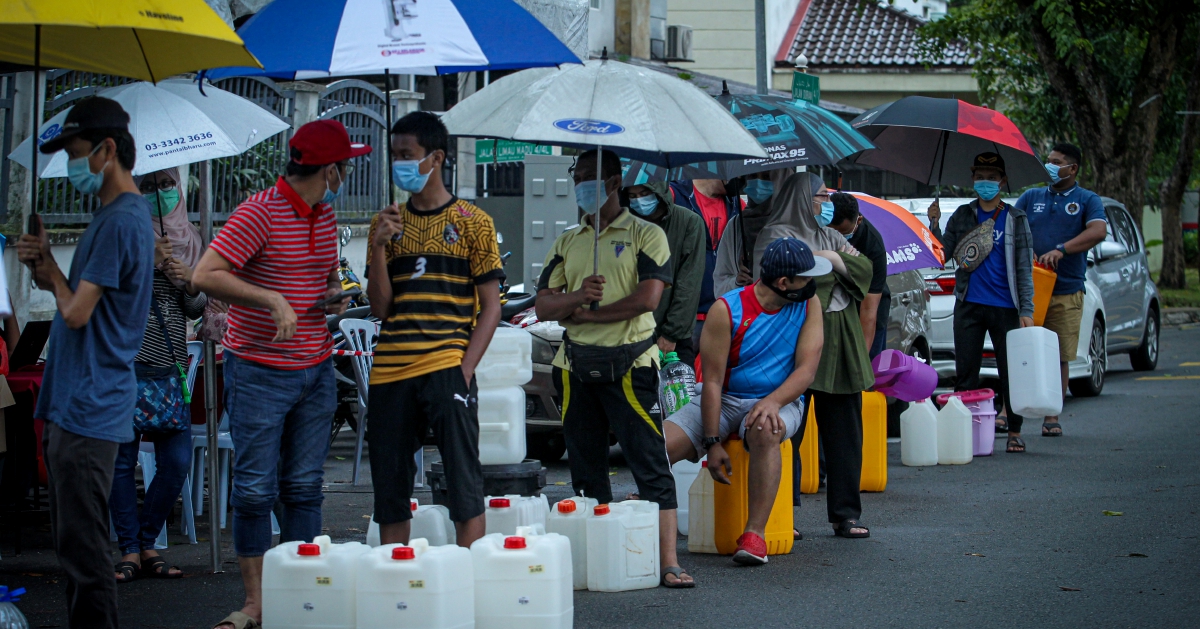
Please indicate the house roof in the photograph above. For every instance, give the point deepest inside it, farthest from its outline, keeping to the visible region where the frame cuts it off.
(837, 34)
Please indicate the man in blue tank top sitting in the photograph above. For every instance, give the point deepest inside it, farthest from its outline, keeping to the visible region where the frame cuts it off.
(758, 353)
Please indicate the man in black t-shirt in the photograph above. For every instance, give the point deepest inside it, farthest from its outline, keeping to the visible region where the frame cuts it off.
(874, 310)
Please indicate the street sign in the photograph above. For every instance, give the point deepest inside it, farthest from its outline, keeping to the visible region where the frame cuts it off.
(508, 150)
(806, 87)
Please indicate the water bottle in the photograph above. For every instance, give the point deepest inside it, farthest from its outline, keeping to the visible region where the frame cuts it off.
(10, 616)
(677, 384)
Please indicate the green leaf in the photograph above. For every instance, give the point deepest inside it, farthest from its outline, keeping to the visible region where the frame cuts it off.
(1114, 513)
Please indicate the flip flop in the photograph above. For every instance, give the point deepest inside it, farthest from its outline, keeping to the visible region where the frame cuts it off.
(680, 584)
(1001, 425)
(238, 620)
(796, 536)
(155, 568)
(129, 571)
(1048, 429)
(1016, 445)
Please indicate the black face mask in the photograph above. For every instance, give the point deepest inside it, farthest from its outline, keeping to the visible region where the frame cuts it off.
(797, 296)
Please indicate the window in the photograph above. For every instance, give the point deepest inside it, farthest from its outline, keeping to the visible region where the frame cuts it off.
(1127, 231)
(595, 5)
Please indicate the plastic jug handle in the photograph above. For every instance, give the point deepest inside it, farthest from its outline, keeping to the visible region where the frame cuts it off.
(525, 531)
(494, 427)
(419, 545)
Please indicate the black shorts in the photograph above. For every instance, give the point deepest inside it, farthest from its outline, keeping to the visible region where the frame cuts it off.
(398, 416)
(630, 409)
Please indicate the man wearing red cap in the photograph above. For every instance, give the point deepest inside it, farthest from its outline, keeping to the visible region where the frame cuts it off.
(275, 262)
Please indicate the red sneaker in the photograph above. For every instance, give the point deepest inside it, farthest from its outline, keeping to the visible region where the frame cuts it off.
(751, 550)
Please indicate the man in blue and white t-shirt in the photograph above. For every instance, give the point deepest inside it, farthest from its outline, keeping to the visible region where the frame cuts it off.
(1066, 221)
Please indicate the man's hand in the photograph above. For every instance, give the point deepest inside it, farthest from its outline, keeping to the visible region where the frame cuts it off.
(719, 464)
(390, 225)
(467, 375)
(935, 214)
(337, 307)
(764, 416)
(592, 289)
(162, 250)
(743, 276)
(35, 250)
(284, 316)
(665, 346)
(1051, 258)
(1027, 322)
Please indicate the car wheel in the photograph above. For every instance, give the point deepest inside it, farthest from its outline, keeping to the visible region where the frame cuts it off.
(1092, 385)
(546, 447)
(1145, 357)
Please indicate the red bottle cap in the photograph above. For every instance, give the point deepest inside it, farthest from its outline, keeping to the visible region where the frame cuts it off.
(600, 510)
(566, 506)
(499, 503)
(403, 552)
(704, 464)
(414, 505)
(309, 550)
(514, 542)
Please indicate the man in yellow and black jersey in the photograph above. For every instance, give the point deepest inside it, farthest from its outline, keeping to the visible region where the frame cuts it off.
(432, 265)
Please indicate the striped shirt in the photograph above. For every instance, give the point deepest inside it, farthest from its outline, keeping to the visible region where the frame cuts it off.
(276, 241)
(176, 307)
(436, 265)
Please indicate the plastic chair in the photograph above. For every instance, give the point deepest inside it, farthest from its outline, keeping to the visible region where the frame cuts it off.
(361, 336)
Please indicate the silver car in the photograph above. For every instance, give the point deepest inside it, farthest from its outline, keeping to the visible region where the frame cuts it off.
(1121, 309)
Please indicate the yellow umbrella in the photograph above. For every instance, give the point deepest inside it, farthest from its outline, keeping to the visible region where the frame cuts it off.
(143, 39)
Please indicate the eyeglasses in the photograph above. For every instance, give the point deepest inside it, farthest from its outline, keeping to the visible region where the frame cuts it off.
(150, 186)
(347, 168)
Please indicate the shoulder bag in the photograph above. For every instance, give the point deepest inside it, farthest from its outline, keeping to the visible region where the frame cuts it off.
(975, 247)
(163, 396)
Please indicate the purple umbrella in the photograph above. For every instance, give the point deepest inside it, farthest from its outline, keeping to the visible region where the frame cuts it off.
(908, 242)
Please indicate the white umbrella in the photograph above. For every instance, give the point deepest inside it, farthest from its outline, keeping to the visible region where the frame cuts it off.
(172, 124)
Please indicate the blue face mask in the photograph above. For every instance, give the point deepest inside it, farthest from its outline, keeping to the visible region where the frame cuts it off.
(407, 174)
(1052, 170)
(760, 190)
(79, 172)
(644, 206)
(826, 214)
(586, 193)
(330, 195)
(987, 190)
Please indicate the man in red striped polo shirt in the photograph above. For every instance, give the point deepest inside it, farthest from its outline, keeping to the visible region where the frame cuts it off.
(275, 262)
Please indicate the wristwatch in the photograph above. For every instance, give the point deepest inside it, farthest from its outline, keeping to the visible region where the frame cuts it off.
(710, 442)
(1061, 248)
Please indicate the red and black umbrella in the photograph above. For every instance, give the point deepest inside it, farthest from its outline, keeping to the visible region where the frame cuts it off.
(934, 140)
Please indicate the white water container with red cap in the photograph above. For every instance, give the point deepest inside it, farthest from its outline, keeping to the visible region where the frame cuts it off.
(1034, 382)
(622, 546)
(569, 519)
(702, 521)
(505, 513)
(418, 585)
(508, 361)
(523, 581)
(431, 522)
(310, 585)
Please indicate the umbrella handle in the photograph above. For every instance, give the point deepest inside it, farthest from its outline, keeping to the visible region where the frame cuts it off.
(595, 305)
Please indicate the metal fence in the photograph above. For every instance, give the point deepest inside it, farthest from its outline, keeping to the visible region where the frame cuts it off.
(360, 106)
(7, 90)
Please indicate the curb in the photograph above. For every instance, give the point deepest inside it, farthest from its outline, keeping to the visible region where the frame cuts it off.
(1180, 316)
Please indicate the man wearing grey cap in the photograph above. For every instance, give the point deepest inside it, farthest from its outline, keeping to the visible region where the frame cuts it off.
(759, 352)
(89, 388)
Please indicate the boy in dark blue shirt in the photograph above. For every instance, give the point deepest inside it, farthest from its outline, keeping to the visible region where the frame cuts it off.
(1066, 221)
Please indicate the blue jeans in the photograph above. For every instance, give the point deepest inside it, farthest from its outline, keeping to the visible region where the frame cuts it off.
(279, 421)
(172, 460)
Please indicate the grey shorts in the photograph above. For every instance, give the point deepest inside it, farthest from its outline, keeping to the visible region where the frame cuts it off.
(733, 418)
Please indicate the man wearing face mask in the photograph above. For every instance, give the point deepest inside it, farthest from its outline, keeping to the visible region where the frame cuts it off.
(760, 348)
(675, 316)
(1066, 220)
(862, 235)
(993, 290)
(89, 387)
(275, 263)
(607, 367)
(430, 265)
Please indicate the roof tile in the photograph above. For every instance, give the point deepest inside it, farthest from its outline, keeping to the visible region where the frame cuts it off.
(837, 33)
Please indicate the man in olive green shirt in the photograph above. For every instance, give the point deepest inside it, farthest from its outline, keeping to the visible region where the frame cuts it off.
(606, 370)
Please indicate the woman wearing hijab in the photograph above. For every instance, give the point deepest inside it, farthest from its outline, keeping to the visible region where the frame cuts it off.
(733, 261)
(175, 301)
(804, 211)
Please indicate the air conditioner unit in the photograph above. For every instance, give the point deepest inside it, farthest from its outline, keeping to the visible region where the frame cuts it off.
(679, 43)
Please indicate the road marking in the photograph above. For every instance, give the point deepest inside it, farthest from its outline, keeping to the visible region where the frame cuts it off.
(1189, 364)
(1169, 378)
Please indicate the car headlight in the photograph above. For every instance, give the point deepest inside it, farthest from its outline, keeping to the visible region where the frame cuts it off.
(543, 352)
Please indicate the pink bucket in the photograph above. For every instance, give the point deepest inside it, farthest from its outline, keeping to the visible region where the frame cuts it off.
(903, 377)
(983, 415)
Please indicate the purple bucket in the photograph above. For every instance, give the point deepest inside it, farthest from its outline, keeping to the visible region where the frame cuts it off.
(983, 415)
(903, 377)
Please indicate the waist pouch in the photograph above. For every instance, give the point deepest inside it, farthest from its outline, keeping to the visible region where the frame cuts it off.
(594, 363)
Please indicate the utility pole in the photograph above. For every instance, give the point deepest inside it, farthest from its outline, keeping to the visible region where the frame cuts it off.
(760, 45)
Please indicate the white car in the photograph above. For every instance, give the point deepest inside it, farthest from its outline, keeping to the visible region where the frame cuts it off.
(1121, 305)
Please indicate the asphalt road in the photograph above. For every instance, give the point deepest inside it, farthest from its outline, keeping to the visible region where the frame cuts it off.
(1010, 540)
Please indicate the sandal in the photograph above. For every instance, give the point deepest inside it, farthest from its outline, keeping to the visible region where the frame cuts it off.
(1016, 445)
(1001, 424)
(679, 584)
(846, 528)
(238, 620)
(155, 568)
(796, 536)
(1049, 428)
(129, 571)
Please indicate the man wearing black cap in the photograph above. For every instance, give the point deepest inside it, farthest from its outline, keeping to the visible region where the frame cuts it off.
(89, 388)
(755, 375)
(275, 263)
(990, 242)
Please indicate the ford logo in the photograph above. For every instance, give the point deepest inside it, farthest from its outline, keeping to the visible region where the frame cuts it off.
(584, 125)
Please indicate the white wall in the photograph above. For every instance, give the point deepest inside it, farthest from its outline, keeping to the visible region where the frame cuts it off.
(723, 34)
(602, 25)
